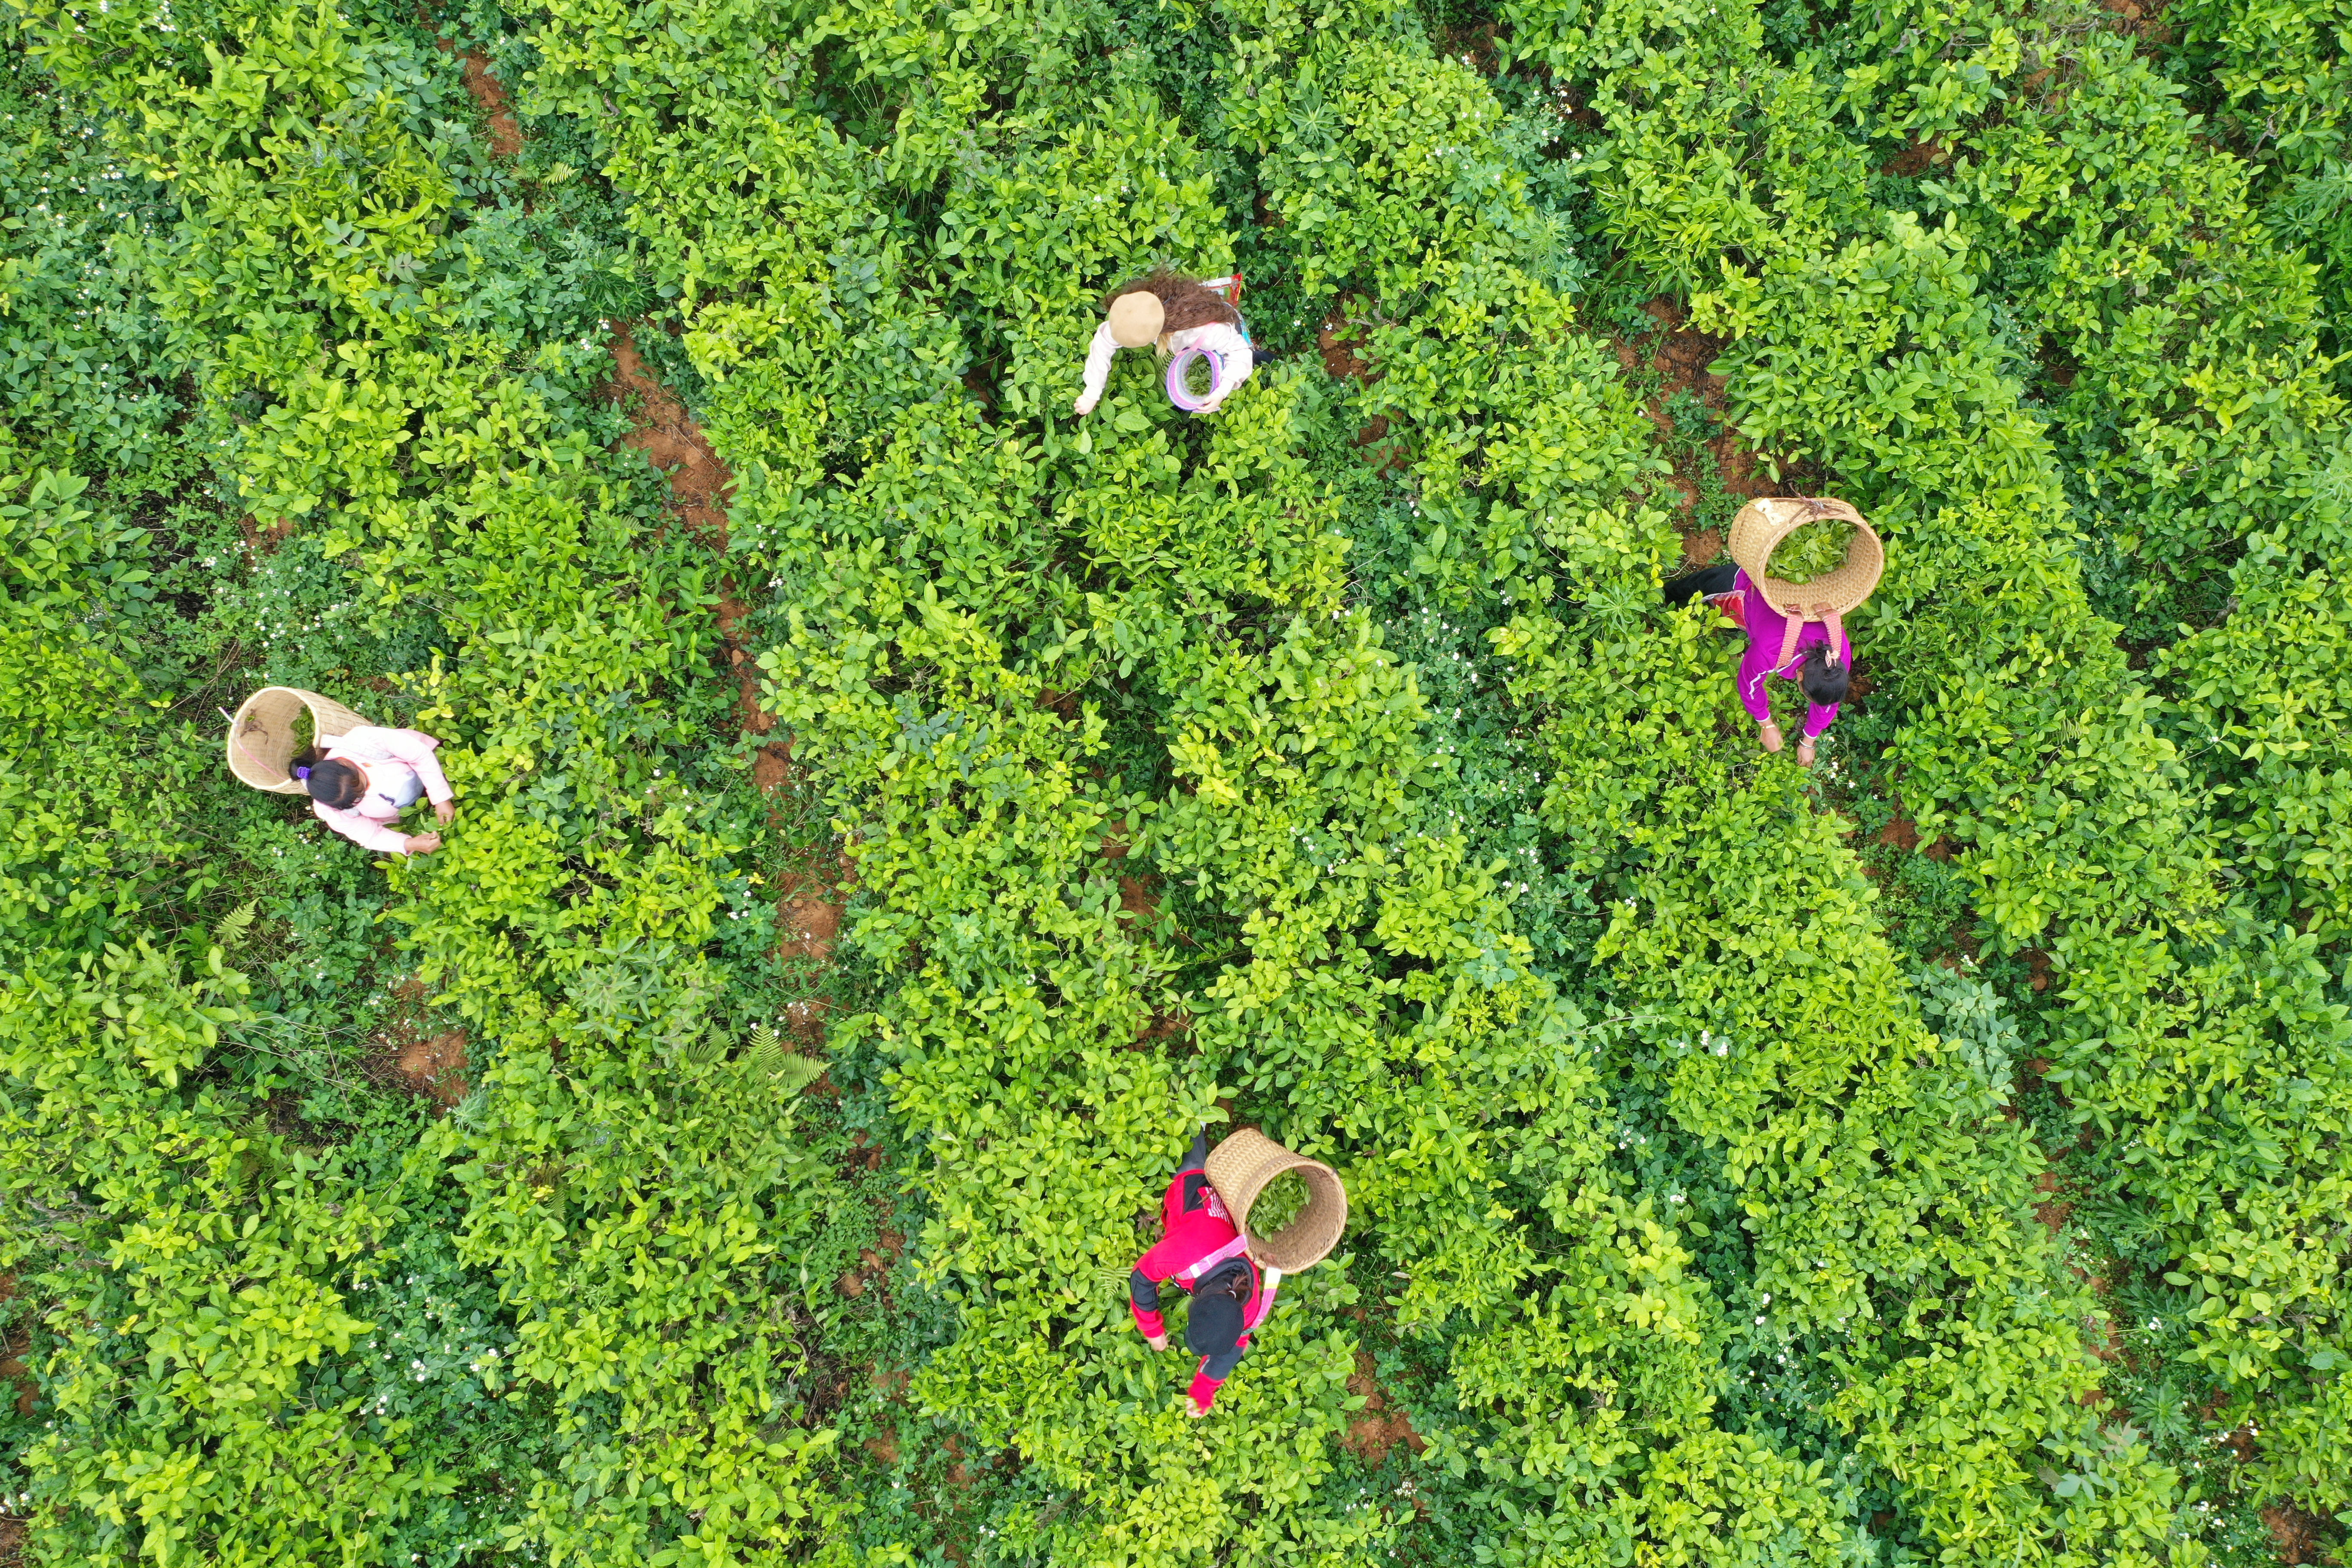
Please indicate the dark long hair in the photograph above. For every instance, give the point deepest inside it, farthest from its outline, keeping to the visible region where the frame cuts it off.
(1186, 303)
(1232, 1277)
(331, 781)
(1822, 676)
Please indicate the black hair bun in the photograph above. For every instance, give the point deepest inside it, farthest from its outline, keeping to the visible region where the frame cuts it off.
(334, 783)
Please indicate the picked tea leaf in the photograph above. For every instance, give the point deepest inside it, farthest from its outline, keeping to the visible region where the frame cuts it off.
(1283, 1200)
(1814, 550)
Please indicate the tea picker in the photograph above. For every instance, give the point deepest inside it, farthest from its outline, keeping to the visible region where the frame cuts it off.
(359, 776)
(1802, 565)
(1207, 1248)
(1195, 323)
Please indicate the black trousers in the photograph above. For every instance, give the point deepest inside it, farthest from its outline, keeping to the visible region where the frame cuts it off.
(1711, 580)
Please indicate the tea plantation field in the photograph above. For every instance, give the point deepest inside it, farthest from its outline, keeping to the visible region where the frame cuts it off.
(894, 813)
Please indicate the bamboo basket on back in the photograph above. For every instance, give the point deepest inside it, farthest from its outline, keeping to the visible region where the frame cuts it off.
(1245, 1164)
(1763, 523)
(266, 733)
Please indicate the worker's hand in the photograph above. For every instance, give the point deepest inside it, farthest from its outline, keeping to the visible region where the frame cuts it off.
(1083, 405)
(1156, 1342)
(1196, 1411)
(1805, 751)
(442, 810)
(1771, 736)
(422, 843)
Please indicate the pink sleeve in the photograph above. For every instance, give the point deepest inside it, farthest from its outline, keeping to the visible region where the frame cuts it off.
(364, 831)
(416, 748)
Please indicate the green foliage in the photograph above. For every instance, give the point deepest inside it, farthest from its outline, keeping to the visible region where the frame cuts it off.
(1727, 1184)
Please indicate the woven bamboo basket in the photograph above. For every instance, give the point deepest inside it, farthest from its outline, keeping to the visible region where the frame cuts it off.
(1240, 1168)
(262, 737)
(1763, 523)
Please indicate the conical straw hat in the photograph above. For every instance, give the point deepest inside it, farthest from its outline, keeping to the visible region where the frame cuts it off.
(1763, 523)
(1241, 1167)
(261, 737)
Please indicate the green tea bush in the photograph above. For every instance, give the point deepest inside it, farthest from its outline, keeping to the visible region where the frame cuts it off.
(1722, 1187)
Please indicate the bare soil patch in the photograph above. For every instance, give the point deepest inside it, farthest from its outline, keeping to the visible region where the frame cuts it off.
(772, 766)
(489, 96)
(1136, 900)
(1678, 356)
(437, 1066)
(2054, 1210)
(699, 484)
(1340, 341)
(1927, 153)
(1336, 340)
(2301, 1537)
(416, 1051)
(1380, 1426)
(261, 538)
(809, 911)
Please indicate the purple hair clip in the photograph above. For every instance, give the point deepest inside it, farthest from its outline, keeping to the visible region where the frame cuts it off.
(303, 773)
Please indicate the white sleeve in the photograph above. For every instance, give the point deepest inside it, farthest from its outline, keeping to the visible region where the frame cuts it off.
(1098, 354)
(1232, 347)
(364, 831)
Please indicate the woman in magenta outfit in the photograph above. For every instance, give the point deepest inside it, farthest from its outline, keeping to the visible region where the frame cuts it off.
(1817, 655)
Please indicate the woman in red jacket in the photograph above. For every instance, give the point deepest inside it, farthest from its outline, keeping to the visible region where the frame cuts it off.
(1202, 1252)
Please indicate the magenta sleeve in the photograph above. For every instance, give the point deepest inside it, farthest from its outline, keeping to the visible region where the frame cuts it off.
(1753, 671)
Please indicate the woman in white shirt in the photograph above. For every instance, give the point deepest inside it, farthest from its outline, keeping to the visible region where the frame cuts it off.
(1177, 314)
(359, 783)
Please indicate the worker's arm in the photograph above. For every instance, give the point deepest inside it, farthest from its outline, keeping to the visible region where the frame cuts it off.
(364, 831)
(1211, 1375)
(1143, 1301)
(1098, 354)
(1232, 347)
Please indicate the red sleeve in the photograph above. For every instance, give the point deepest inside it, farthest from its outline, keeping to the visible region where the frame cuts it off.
(1154, 1266)
(1204, 1387)
(1163, 1261)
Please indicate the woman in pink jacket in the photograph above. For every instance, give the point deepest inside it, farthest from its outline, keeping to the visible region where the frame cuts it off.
(359, 783)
